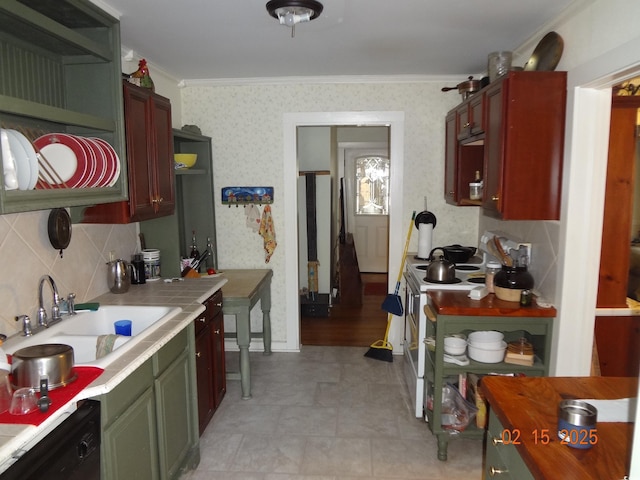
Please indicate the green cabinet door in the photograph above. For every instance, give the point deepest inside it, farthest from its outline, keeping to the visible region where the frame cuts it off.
(130, 443)
(502, 459)
(174, 411)
(149, 421)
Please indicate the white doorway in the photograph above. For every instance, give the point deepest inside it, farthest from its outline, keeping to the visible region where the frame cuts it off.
(367, 219)
(291, 121)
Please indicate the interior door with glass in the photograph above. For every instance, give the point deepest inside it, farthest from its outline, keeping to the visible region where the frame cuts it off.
(367, 205)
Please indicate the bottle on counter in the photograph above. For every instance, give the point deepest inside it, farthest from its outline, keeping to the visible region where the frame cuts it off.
(194, 253)
(490, 271)
(209, 259)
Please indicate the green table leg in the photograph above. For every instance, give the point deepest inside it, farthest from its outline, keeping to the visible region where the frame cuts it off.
(244, 339)
(265, 304)
(443, 444)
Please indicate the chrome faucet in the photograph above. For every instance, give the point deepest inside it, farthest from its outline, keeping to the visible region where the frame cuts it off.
(26, 325)
(55, 308)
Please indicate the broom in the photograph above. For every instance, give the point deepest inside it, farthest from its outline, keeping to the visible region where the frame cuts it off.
(393, 303)
(382, 349)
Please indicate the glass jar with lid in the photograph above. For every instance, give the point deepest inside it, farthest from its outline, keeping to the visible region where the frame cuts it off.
(490, 271)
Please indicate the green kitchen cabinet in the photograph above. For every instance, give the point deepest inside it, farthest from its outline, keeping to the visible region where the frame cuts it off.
(149, 421)
(175, 432)
(130, 444)
(65, 77)
(194, 207)
(536, 329)
(502, 459)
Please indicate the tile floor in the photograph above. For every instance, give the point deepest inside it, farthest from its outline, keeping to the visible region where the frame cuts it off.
(326, 413)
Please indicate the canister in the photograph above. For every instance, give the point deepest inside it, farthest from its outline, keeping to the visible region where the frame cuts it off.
(490, 271)
(138, 271)
(499, 63)
(151, 259)
(475, 190)
(577, 424)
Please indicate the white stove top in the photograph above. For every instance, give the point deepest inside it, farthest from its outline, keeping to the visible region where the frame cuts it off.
(468, 275)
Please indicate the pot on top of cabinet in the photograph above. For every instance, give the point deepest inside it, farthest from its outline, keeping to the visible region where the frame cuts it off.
(466, 88)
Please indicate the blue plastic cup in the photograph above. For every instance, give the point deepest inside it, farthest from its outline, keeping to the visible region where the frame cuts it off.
(123, 327)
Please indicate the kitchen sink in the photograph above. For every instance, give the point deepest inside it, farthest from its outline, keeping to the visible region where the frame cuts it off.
(82, 331)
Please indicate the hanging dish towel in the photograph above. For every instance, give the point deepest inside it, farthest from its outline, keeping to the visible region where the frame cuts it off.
(268, 233)
(253, 217)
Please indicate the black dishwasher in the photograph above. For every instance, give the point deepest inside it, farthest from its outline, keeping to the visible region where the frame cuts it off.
(70, 452)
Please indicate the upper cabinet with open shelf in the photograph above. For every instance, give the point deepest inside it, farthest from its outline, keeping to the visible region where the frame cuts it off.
(517, 146)
(65, 78)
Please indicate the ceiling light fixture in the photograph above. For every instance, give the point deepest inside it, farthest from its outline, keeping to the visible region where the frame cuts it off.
(292, 12)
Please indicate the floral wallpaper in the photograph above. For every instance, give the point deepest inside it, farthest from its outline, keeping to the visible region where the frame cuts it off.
(245, 123)
(246, 126)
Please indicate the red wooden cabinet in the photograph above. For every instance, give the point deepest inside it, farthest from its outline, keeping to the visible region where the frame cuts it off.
(512, 131)
(462, 158)
(210, 362)
(149, 139)
(524, 142)
(470, 117)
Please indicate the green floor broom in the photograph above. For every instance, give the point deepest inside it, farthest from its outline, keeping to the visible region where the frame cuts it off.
(382, 349)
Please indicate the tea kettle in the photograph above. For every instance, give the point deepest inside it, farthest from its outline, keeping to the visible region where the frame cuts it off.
(118, 276)
(440, 270)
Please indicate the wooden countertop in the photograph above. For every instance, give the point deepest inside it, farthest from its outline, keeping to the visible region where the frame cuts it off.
(244, 283)
(452, 302)
(529, 405)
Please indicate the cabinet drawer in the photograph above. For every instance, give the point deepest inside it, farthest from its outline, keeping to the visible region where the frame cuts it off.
(200, 323)
(214, 304)
(170, 352)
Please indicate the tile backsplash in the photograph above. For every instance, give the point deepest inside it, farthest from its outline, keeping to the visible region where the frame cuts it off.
(26, 254)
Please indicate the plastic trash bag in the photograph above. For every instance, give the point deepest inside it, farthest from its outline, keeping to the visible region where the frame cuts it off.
(457, 413)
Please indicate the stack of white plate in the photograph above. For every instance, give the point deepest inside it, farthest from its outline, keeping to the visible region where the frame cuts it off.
(76, 162)
(58, 160)
(19, 161)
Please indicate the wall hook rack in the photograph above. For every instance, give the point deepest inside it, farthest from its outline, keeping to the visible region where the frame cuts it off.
(247, 196)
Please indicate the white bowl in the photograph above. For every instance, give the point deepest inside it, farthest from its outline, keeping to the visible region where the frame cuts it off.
(484, 355)
(454, 345)
(486, 338)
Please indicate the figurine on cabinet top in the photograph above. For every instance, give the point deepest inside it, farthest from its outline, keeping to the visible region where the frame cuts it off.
(141, 76)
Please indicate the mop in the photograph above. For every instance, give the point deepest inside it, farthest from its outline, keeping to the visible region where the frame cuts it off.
(382, 349)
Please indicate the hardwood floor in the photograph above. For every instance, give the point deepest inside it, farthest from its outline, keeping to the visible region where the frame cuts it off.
(348, 326)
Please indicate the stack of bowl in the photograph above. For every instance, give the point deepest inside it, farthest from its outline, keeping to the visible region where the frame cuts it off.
(487, 346)
(455, 345)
